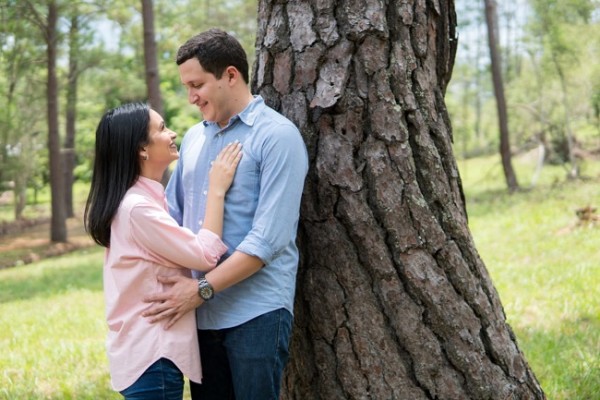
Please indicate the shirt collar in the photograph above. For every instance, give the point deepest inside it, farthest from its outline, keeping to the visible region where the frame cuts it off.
(247, 116)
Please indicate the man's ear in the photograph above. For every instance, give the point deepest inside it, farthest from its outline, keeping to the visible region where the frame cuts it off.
(232, 74)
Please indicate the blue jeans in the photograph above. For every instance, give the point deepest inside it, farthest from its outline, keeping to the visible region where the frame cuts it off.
(244, 362)
(161, 381)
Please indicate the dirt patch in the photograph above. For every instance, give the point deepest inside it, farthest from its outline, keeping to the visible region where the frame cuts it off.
(23, 242)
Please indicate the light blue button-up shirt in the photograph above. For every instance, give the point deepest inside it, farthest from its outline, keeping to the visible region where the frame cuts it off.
(261, 207)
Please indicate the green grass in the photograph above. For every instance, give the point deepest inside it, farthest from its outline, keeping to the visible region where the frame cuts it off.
(545, 268)
(52, 330)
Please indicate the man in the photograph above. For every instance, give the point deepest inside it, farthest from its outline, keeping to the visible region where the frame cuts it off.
(246, 302)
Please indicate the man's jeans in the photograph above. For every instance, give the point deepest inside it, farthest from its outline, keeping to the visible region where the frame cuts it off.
(245, 362)
(161, 381)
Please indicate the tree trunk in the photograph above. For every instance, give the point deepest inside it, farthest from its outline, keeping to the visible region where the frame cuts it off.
(574, 170)
(393, 301)
(151, 63)
(69, 145)
(58, 227)
(505, 154)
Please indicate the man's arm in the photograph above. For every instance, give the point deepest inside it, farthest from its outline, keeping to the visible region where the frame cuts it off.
(183, 296)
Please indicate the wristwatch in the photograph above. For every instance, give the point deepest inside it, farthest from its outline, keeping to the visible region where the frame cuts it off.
(205, 290)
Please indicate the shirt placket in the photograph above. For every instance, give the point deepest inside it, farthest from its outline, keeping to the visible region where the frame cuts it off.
(215, 147)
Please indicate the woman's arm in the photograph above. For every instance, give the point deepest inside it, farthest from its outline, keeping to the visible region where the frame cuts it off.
(169, 244)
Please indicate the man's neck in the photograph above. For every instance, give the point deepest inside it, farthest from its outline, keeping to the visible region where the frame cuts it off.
(239, 102)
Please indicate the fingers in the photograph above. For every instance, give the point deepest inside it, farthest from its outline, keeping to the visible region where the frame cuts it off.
(156, 298)
(169, 279)
(161, 316)
(231, 153)
(155, 309)
(172, 320)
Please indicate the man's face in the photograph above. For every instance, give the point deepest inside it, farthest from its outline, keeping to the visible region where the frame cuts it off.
(207, 92)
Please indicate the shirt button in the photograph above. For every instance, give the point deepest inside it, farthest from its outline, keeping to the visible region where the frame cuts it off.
(212, 162)
(200, 222)
(205, 192)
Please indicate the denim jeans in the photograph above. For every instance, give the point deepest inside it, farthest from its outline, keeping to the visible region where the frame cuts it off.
(244, 362)
(161, 381)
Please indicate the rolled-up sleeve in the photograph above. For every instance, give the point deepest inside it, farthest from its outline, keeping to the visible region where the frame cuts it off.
(283, 170)
(171, 245)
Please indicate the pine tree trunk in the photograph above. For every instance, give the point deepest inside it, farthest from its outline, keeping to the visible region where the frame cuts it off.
(491, 18)
(71, 114)
(151, 67)
(58, 224)
(393, 301)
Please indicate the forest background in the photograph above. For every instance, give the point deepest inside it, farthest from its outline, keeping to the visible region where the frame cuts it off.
(550, 70)
(548, 48)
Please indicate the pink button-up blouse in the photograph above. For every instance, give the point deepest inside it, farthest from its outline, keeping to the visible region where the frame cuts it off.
(146, 242)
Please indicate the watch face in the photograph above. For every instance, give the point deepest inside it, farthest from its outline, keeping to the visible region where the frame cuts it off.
(206, 292)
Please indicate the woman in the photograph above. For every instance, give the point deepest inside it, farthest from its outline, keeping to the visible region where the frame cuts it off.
(126, 212)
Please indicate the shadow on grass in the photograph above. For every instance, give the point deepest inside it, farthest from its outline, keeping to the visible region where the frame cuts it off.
(80, 270)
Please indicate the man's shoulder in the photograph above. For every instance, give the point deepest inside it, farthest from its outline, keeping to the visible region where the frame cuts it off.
(273, 122)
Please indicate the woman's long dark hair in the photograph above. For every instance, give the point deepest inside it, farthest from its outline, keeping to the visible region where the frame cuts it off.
(120, 135)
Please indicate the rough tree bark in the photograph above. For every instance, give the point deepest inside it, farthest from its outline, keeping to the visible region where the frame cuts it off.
(393, 301)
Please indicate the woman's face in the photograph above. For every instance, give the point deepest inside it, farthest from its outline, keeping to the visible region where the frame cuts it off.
(161, 148)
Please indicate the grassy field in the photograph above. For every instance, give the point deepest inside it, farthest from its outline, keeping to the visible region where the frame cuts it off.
(544, 266)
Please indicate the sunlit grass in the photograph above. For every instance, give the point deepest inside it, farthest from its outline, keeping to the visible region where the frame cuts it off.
(52, 330)
(545, 267)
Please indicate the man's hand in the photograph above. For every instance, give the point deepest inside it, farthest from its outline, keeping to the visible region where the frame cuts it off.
(175, 302)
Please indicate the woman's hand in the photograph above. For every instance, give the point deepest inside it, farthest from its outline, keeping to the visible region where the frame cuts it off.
(223, 168)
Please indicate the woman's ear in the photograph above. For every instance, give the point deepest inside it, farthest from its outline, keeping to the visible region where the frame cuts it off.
(143, 154)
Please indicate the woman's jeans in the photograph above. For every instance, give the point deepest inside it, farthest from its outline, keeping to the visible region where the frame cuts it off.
(161, 381)
(244, 362)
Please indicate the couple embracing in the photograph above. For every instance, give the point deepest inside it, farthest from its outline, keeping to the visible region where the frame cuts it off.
(219, 240)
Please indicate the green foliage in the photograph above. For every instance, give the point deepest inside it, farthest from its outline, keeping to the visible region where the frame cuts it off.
(111, 71)
(550, 55)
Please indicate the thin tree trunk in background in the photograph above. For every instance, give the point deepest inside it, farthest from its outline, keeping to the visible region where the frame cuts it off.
(58, 225)
(393, 301)
(505, 152)
(71, 106)
(151, 64)
(574, 171)
(478, 86)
